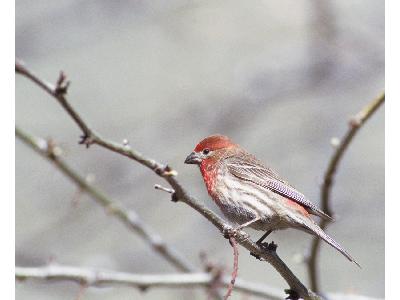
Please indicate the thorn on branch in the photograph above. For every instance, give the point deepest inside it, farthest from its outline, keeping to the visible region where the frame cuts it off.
(86, 140)
(292, 295)
(174, 197)
(62, 85)
(161, 188)
(53, 150)
(165, 171)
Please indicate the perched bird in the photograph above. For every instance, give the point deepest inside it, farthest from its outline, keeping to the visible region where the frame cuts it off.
(251, 194)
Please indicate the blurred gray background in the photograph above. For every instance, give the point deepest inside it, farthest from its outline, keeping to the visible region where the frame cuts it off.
(279, 77)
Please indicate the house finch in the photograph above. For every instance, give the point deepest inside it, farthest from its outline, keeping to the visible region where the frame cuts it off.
(251, 194)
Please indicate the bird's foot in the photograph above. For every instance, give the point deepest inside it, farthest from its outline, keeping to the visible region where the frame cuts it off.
(269, 246)
(229, 232)
(266, 246)
(292, 295)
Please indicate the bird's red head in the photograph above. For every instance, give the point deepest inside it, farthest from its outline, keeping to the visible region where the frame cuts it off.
(210, 147)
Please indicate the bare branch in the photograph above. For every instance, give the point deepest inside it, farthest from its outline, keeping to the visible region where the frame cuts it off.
(91, 277)
(55, 92)
(354, 125)
(89, 137)
(128, 217)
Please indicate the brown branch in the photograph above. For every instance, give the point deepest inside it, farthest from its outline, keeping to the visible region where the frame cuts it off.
(128, 217)
(354, 125)
(91, 277)
(235, 267)
(180, 194)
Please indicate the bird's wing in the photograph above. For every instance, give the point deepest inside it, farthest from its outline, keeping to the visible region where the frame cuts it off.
(247, 167)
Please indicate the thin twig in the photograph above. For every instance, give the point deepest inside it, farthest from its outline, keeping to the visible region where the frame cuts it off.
(128, 217)
(92, 277)
(354, 125)
(235, 267)
(161, 188)
(90, 137)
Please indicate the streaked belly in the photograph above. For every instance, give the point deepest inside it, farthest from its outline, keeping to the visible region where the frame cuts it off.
(242, 201)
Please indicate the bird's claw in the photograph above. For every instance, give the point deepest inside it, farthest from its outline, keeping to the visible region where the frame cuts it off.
(234, 232)
(265, 246)
(229, 232)
(269, 246)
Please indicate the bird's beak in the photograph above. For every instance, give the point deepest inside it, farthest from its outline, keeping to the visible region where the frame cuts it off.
(193, 158)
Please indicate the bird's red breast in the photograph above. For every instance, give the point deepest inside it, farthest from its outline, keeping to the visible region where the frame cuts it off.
(209, 171)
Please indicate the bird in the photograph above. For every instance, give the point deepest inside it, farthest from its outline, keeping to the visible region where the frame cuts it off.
(251, 194)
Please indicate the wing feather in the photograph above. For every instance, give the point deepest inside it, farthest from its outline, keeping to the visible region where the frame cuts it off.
(247, 167)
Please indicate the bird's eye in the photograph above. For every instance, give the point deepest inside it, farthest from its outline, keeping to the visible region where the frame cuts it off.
(206, 151)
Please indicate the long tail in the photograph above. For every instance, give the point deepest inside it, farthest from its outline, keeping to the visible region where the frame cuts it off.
(314, 229)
